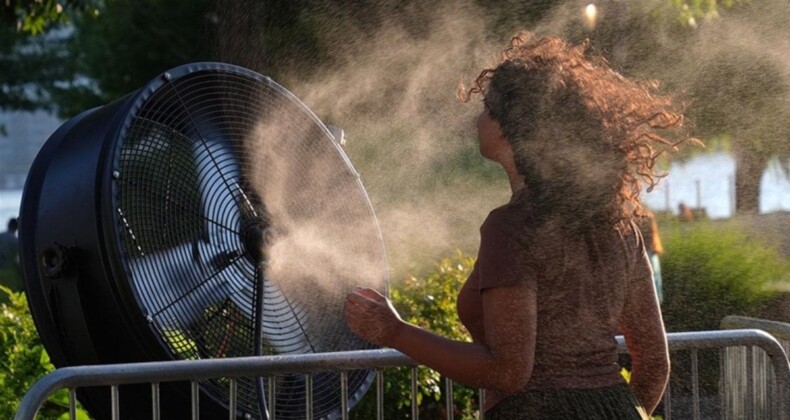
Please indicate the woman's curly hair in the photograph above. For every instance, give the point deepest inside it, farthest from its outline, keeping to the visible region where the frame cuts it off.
(585, 138)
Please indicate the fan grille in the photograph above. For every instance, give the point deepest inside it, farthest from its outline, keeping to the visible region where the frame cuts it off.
(226, 187)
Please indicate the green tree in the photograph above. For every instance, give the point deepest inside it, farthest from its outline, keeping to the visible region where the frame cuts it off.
(38, 16)
(741, 90)
(34, 62)
(742, 96)
(114, 47)
(127, 44)
(85, 53)
(721, 59)
(29, 66)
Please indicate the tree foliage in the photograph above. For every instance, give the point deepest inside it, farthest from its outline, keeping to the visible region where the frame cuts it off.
(740, 85)
(713, 270)
(93, 52)
(743, 96)
(723, 61)
(30, 67)
(111, 47)
(24, 361)
(128, 44)
(689, 11)
(34, 63)
(38, 16)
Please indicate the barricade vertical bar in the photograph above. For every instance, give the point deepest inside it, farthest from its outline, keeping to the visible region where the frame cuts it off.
(72, 403)
(782, 394)
(414, 412)
(778, 395)
(771, 392)
(482, 394)
(723, 384)
(272, 399)
(233, 389)
(695, 383)
(308, 397)
(344, 395)
(668, 402)
(195, 401)
(379, 394)
(114, 405)
(155, 401)
(448, 388)
(749, 406)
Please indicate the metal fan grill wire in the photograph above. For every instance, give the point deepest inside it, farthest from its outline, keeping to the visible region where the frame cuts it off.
(197, 216)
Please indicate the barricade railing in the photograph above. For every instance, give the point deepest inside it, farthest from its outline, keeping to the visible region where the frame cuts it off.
(780, 330)
(155, 373)
(747, 373)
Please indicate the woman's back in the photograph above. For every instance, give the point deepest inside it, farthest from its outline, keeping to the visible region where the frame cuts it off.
(581, 293)
(581, 284)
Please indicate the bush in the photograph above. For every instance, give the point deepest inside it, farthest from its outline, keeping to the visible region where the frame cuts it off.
(427, 301)
(23, 360)
(711, 270)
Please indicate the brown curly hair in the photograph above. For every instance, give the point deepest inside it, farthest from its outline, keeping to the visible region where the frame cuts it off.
(584, 137)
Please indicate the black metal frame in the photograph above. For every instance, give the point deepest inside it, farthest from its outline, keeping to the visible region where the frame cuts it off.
(77, 283)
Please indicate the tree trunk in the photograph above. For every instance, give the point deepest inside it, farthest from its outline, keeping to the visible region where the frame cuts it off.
(749, 169)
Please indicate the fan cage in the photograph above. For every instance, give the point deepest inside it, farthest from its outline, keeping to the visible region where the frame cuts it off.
(191, 227)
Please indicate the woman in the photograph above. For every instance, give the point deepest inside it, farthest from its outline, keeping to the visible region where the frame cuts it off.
(561, 268)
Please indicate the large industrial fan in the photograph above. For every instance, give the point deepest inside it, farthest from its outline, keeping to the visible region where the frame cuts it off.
(209, 214)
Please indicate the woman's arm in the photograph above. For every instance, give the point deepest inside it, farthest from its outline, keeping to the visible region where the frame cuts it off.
(504, 363)
(644, 334)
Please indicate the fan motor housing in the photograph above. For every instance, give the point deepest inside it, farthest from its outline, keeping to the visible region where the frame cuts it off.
(74, 249)
(63, 254)
(77, 302)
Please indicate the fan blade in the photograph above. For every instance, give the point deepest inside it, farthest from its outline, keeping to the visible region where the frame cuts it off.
(283, 320)
(217, 175)
(185, 289)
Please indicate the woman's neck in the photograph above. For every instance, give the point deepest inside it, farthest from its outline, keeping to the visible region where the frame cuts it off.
(516, 179)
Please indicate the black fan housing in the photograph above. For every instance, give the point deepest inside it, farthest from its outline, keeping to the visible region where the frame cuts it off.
(208, 214)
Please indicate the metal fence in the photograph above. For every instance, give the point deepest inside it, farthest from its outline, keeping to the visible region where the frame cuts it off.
(747, 373)
(155, 373)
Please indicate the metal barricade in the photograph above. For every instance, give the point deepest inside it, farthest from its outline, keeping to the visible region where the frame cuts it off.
(193, 371)
(747, 373)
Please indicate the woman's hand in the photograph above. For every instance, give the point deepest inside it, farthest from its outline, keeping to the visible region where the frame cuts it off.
(371, 316)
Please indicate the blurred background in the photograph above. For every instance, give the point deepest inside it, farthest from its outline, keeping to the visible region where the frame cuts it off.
(386, 71)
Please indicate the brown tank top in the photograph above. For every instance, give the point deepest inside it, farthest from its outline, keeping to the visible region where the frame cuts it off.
(581, 283)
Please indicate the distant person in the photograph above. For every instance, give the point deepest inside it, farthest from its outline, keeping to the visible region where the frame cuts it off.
(10, 271)
(684, 213)
(9, 246)
(561, 267)
(654, 248)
